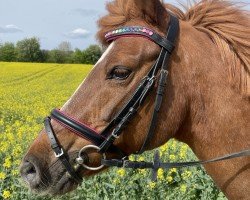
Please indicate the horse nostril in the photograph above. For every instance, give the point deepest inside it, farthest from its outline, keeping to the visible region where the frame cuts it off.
(30, 172)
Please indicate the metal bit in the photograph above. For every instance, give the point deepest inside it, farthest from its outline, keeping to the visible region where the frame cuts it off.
(80, 160)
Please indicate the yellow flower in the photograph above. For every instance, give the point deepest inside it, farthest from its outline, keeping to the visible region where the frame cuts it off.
(7, 162)
(14, 172)
(183, 188)
(17, 151)
(132, 158)
(121, 172)
(169, 179)
(2, 175)
(141, 158)
(152, 185)
(183, 151)
(172, 157)
(164, 148)
(17, 123)
(142, 171)
(6, 194)
(173, 170)
(4, 147)
(160, 174)
(116, 181)
(10, 136)
(17, 162)
(186, 174)
(29, 119)
(173, 146)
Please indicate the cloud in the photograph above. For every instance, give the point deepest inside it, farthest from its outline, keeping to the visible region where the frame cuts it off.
(78, 33)
(85, 12)
(10, 29)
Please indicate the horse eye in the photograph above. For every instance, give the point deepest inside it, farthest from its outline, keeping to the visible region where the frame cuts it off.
(119, 73)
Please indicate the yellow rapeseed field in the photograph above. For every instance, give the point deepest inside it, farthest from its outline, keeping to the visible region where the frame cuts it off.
(29, 91)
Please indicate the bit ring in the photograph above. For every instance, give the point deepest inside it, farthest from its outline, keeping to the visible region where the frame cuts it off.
(79, 159)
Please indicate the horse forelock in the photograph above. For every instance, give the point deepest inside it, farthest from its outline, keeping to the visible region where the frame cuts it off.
(225, 22)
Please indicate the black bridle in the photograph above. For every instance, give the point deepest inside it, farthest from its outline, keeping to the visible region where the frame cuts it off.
(103, 142)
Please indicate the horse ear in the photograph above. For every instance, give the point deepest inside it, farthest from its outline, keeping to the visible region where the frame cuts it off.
(152, 11)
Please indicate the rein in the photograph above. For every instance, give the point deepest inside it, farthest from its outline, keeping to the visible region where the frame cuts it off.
(157, 164)
(103, 142)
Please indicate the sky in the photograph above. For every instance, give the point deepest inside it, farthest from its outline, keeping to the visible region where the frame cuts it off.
(52, 21)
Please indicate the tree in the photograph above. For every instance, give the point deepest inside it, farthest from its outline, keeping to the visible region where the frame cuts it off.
(7, 52)
(44, 56)
(65, 46)
(28, 50)
(78, 56)
(62, 54)
(56, 56)
(92, 54)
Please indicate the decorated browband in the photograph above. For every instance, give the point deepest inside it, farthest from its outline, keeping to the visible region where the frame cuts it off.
(129, 30)
(140, 31)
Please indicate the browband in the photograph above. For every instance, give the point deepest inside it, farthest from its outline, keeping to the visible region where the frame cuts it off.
(140, 31)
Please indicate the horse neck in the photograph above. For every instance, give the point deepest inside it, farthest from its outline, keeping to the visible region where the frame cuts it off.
(217, 122)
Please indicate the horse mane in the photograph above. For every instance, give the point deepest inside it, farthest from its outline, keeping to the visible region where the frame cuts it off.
(225, 22)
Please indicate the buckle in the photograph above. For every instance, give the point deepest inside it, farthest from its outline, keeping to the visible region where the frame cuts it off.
(151, 81)
(58, 155)
(164, 71)
(125, 163)
(114, 135)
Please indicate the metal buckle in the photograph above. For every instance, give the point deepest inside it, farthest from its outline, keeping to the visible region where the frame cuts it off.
(151, 81)
(146, 78)
(58, 155)
(125, 163)
(147, 88)
(165, 71)
(79, 158)
(114, 135)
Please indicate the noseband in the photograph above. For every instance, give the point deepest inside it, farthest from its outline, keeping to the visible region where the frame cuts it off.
(103, 142)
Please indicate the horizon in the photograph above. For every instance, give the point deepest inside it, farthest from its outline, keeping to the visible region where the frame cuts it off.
(72, 21)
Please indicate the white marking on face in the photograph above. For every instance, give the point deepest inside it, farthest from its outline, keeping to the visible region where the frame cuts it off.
(105, 53)
(99, 61)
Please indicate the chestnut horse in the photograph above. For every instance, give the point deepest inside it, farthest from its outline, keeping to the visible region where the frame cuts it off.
(206, 100)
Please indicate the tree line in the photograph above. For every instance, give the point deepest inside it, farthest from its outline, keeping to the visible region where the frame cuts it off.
(29, 50)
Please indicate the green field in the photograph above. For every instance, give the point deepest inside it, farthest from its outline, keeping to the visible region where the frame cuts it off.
(30, 91)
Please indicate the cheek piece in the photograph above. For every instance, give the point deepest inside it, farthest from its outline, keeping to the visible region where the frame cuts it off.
(103, 142)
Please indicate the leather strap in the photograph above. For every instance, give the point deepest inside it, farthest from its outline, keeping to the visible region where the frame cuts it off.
(142, 89)
(157, 164)
(59, 153)
(171, 36)
(78, 128)
(155, 37)
(82, 130)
